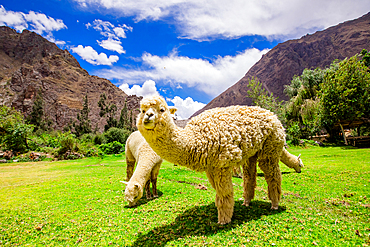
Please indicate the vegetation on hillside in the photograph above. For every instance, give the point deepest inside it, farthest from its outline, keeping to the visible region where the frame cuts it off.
(21, 137)
(320, 99)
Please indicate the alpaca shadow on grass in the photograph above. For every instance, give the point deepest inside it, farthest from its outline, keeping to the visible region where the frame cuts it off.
(143, 199)
(260, 174)
(202, 221)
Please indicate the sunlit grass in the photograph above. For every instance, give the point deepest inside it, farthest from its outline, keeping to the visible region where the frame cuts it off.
(81, 202)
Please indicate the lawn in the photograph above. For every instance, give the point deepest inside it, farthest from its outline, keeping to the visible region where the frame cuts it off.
(81, 202)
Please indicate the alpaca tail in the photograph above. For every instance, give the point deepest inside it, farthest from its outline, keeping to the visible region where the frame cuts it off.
(291, 160)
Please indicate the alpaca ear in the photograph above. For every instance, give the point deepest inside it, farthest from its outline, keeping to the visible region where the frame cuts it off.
(137, 185)
(124, 182)
(173, 110)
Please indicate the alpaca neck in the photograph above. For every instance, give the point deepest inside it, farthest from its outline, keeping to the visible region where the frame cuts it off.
(172, 145)
(142, 172)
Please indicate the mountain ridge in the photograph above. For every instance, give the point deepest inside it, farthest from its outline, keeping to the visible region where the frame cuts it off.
(277, 67)
(29, 63)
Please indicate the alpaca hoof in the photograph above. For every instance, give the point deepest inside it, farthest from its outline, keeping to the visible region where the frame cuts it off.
(274, 207)
(246, 204)
(149, 197)
(155, 196)
(223, 222)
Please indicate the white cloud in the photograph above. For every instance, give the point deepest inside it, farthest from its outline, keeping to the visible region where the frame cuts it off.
(202, 19)
(112, 45)
(12, 19)
(112, 33)
(39, 23)
(210, 77)
(148, 89)
(91, 56)
(186, 107)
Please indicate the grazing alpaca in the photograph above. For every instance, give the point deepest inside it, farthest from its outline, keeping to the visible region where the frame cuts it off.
(147, 169)
(216, 141)
(287, 158)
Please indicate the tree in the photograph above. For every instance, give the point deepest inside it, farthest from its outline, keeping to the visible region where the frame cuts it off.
(345, 93)
(260, 97)
(365, 57)
(301, 111)
(37, 116)
(109, 110)
(123, 119)
(126, 118)
(84, 125)
(13, 130)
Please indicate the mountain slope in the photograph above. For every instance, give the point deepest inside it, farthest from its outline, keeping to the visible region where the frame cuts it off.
(29, 64)
(277, 67)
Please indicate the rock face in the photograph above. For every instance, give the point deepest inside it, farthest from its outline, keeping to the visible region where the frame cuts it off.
(29, 64)
(277, 67)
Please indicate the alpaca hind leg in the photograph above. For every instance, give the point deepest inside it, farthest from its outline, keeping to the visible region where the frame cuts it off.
(220, 178)
(154, 175)
(147, 190)
(130, 161)
(249, 179)
(271, 170)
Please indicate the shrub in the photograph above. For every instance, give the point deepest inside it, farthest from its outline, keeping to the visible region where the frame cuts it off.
(14, 131)
(68, 143)
(116, 134)
(99, 139)
(112, 148)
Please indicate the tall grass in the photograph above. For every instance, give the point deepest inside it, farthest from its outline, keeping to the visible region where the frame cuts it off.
(81, 202)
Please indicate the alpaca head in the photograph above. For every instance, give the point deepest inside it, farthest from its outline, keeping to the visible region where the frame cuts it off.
(154, 114)
(133, 193)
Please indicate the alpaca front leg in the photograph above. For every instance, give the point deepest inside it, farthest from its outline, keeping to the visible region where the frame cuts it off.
(249, 179)
(220, 178)
(154, 175)
(272, 174)
(147, 190)
(130, 169)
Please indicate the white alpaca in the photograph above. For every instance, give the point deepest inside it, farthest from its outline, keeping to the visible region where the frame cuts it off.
(216, 141)
(147, 169)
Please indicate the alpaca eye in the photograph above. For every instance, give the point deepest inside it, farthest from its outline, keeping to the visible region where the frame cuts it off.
(143, 111)
(162, 110)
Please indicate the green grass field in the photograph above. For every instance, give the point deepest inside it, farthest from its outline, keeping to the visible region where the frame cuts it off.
(81, 202)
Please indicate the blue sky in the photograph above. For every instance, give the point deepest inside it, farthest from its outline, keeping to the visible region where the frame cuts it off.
(187, 51)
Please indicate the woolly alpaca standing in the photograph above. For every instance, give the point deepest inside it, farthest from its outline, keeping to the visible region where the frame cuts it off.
(216, 141)
(147, 169)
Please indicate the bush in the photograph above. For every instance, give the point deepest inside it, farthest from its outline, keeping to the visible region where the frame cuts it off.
(116, 134)
(14, 131)
(99, 139)
(67, 144)
(87, 137)
(293, 134)
(88, 150)
(112, 148)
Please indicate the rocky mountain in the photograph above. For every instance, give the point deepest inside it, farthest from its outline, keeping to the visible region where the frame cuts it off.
(277, 67)
(29, 64)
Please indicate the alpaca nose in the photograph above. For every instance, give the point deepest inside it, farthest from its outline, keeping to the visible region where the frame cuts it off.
(150, 114)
